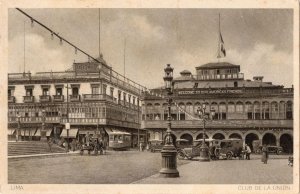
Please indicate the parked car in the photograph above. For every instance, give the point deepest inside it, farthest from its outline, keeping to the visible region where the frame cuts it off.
(271, 149)
(155, 145)
(194, 151)
(230, 148)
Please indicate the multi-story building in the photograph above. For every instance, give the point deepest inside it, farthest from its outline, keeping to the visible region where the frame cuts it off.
(245, 109)
(92, 97)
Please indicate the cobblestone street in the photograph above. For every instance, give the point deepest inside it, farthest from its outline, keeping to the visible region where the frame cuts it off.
(143, 167)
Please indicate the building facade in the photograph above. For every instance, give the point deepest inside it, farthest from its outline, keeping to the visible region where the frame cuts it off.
(91, 97)
(245, 109)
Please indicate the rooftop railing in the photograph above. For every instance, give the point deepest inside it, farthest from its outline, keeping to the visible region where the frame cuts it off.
(109, 75)
(220, 76)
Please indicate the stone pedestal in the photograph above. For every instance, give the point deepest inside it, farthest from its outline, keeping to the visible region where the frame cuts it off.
(43, 135)
(169, 162)
(204, 153)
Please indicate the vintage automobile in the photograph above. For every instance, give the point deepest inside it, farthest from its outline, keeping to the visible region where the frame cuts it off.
(226, 148)
(194, 150)
(93, 146)
(155, 145)
(271, 149)
(229, 148)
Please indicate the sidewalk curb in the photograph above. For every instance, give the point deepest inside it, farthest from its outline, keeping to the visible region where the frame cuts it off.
(41, 155)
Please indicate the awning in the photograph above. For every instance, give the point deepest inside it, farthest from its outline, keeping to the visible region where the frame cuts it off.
(29, 132)
(11, 131)
(72, 133)
(85, 132)
(112, 131)
(48, 132)
(38, 133)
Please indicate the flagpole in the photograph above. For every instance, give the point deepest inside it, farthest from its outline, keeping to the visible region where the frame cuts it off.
(219, 42)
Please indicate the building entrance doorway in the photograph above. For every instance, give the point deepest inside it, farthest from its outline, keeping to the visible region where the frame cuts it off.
(187, 137)
(286, 142)
(269, 139)
(250, 138)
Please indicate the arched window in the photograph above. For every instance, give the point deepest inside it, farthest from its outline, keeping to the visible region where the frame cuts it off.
(189, 108)
(289, 110)
(265, 110)
(156, 135)
(181, 111)
(239, 107)
(249, 109)
(214, 106)
(222, 110)
(256, 107)
(197, 104)
(281, 110)
(231, 107)
(274, 110)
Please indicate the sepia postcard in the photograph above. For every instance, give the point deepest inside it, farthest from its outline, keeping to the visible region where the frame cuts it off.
(148, 97)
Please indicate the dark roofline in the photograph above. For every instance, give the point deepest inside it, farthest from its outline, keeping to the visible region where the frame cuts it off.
(219, 65)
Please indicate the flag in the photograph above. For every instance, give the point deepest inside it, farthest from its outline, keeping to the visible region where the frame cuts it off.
(222, 47)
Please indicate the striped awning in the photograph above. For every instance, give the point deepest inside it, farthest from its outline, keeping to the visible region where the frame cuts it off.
(28, 132)
(11, 131)
(72, 133)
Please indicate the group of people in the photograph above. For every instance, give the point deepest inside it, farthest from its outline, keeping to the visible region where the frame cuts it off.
(265, 154)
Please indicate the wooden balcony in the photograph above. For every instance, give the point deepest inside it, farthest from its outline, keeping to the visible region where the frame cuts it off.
(28, 99)
(74, 98)
(58, 98)
(236, 123)
(11, 99)
(45, 98)
(34, 119)
(84, 121)
(97, 97)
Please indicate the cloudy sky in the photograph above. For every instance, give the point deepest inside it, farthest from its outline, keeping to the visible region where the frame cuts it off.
(260, 41)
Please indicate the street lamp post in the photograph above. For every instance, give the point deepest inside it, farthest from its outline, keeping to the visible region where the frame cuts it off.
(67, 124)
(43, 133)
(169, 152)
(204, 150)
(19, 127)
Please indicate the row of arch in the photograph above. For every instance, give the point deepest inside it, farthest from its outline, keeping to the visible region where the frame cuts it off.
(285, 139)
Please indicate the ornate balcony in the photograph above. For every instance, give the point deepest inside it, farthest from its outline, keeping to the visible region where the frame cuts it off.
(45, 98)
(28, 99)
(74, 98)
(11, 99)
(58, 98)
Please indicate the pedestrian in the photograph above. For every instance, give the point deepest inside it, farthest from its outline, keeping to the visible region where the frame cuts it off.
(73, 145)
(248, 152)
(141, 146)
(265, 154)
(50, 142)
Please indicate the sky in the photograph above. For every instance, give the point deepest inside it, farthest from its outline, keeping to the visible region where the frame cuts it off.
(259, 40)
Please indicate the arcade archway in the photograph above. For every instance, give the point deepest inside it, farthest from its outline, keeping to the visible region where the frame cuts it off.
(235, 136)
(200, 136)
(249, 140)
(286, 142)
(218, 136)
(187, 137)
(269, 139)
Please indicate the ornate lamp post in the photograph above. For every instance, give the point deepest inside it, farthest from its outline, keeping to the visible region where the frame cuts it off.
(204, 150)
(169, 152)
(43, 132)
(19, 127)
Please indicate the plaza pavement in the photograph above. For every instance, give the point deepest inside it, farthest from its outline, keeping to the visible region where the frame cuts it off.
(233, 171)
